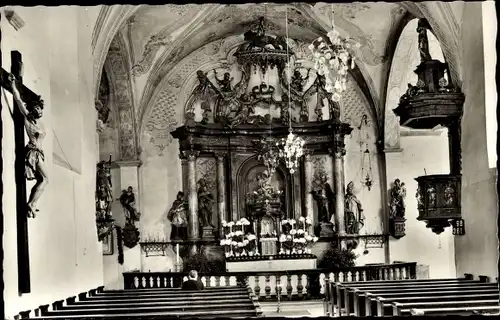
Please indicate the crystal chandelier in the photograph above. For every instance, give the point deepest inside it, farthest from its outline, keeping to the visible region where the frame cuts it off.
(333, 59)
(291, 148)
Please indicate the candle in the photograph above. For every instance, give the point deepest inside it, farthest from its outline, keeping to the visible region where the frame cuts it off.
(177, 252)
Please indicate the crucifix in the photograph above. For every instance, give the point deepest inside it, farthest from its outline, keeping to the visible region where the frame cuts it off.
(29, 160)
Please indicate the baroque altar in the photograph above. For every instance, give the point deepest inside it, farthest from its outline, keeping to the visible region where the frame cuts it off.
(238, 124)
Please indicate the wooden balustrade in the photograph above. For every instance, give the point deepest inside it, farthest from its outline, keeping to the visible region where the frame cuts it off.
(293, 284)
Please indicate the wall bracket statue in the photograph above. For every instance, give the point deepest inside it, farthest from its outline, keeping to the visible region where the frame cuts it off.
(104, 198)
(127, 200)
(397, 210)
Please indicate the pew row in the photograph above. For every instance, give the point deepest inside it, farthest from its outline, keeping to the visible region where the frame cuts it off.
(360, 299)
(231, 302)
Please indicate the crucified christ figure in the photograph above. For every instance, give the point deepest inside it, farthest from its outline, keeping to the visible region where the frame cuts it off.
(34, 157)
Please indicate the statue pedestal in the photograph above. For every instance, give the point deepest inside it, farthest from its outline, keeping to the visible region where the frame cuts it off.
(208, 233)
(326, 230)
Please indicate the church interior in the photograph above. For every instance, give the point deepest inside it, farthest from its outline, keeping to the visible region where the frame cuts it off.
(306, 159)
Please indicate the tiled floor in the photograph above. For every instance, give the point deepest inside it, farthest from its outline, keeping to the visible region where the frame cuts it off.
(293, 309)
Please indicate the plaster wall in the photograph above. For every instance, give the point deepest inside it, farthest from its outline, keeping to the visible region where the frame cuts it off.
(421, 155)
(477, 250)
(65, 256)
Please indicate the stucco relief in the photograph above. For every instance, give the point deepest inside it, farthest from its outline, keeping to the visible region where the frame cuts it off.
(163, 116)
(354, 105)
(116, 64)
(178, 15)
(391, 124)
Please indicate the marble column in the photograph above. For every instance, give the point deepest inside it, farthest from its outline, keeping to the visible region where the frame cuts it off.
(192, 194)
(221, 191)
(338, 153)
(308, 177)
(184, 173)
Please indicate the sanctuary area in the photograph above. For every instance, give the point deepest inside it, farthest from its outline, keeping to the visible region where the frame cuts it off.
(339, 157)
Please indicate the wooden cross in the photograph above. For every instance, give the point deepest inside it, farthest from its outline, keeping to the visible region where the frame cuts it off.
(23, 261)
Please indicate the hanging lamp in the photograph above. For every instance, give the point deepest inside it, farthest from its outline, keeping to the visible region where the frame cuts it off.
(333, 58)
(291, 148)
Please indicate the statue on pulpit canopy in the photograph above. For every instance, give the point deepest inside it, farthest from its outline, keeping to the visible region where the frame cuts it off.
(205, 204)
(127, 200)
(177, 215)
(35, 168)
(354, 217)
(423, 41)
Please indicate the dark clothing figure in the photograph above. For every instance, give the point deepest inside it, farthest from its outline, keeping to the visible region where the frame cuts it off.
(192, 285)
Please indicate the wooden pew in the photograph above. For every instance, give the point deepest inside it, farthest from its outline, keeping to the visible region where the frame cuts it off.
(460, 311)
(359, 298)
(334, 291)
(347, 298)
(371, 303)
(385, 306)
(448, 307)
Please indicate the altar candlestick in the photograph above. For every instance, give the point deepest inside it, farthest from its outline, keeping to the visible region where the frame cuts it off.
(177, 252)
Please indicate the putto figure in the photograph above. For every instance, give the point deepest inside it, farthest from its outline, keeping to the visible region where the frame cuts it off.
(35, 168)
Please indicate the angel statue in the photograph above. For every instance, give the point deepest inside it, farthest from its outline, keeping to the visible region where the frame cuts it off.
(228, 99)
(398, 194)
(354, 217)
(297, 97)
(35, 168)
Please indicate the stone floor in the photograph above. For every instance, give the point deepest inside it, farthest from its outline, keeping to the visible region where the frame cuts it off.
(293, 309)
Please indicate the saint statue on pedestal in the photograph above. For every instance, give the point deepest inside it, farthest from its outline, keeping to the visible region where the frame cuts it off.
(178, 216)
(354, 217)
(205, 204)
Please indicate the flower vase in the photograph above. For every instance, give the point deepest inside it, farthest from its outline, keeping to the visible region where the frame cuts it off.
(287, 252)
(237, 254)
(299, 251)
(294, 251)
(250, 253)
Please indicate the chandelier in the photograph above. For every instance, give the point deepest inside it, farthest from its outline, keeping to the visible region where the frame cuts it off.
(291, 148)
(333, 58)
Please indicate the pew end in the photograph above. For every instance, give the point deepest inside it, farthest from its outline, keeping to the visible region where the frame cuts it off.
(396, 309)
(417, 312)
(484, 279)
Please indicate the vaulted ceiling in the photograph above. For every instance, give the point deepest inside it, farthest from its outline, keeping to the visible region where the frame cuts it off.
(157, 38)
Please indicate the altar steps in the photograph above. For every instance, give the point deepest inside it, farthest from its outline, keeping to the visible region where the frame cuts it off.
(230, 302)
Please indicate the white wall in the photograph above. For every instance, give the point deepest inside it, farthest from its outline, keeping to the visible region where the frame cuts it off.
(477, 250)
(429, 152)
(65, 256)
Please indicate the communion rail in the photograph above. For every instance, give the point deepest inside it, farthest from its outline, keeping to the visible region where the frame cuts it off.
(292, 284)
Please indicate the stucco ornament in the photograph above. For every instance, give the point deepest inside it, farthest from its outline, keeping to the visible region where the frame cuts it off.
(119, 75)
